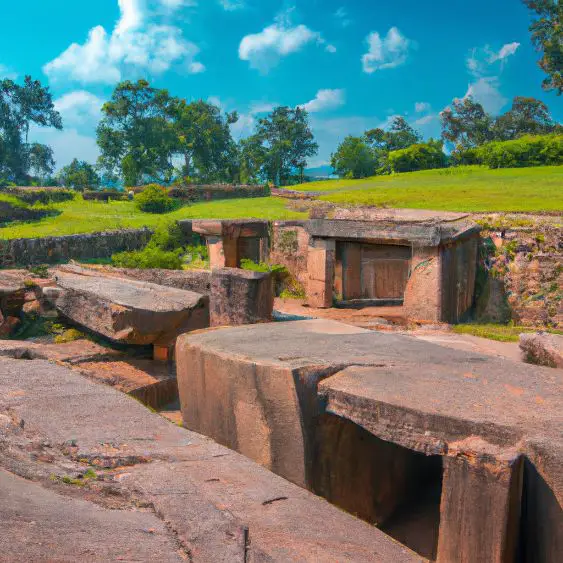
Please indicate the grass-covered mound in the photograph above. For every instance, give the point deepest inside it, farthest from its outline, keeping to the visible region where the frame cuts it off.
(465, 188)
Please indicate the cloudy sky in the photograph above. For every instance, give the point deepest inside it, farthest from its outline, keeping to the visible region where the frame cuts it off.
(353, 65)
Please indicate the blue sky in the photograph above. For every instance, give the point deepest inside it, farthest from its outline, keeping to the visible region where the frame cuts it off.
(353, 64)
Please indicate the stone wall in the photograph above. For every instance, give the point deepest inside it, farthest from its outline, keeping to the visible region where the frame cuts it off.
(53, 250)
(289, 247)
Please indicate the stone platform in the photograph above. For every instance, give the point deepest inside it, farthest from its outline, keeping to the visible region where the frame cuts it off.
(456, 454)
(88, 473)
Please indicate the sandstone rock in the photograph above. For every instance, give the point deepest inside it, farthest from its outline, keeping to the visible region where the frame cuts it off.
(241, 297)
(543, 349)
(128, 311)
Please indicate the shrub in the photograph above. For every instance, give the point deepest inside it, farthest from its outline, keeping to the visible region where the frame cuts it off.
(529, 150)
(155, 199)
(149, 258)
(421, 156)
(42, 196)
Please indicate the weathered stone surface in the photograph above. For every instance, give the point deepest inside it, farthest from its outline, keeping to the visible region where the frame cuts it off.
(189, 280)
(543, 349)
(129, 311)
(300, 410)
(217, 505)
(240, 297)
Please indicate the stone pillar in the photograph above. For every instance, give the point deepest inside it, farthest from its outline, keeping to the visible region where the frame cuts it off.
(423, 295)
(320, 267)
(240, 297)
(480, 509)
(216, 252)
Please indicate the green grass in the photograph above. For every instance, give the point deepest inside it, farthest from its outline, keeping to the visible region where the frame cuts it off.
(468, 188)
(79, 216)
(501, 333)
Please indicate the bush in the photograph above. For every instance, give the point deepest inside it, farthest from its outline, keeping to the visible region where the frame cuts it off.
(155, 199)
(164, 251)
(149, 258)
(421, 156)
(530, 150)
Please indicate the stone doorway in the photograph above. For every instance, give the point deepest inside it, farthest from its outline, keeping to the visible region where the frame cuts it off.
(372, 272)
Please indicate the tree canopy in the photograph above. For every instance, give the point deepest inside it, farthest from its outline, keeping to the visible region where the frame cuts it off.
(20, 107)
(79, 175)
(547, 36)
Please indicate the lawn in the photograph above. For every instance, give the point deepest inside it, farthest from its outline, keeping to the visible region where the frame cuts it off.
(468, 188)
(79, 216)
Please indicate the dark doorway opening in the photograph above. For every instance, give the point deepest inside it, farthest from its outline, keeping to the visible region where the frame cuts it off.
(541, 520)
(396, 489)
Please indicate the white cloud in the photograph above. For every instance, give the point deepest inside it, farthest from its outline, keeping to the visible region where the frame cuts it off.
(342, 16)
(389, 52)
(421, 107)
(138, 42)
(79, 107)
(505, 51)
(486, 91)
(325, 100)
(481, 60)
(233, 5)
(262, 107)
(264, 50)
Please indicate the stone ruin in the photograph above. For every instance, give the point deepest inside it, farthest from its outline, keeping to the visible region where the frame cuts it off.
(420, 452)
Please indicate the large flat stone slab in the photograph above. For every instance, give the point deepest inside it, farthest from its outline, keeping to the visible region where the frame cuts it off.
(216, 504)
(363, 418)
(129, 311)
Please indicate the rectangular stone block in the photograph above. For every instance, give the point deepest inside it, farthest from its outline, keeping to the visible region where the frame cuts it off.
(240, 297)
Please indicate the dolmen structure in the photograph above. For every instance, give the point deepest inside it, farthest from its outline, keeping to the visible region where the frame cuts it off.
(456, 455)
(424, 261)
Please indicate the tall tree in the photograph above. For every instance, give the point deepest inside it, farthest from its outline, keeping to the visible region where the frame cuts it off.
(136, 134)
(354, 158)
(466, 124)
(287, 140)
(41, 160)
(527, 116)
(204, 139)
(547, 36)
(79, 175)
(20, 107)
(399, 135)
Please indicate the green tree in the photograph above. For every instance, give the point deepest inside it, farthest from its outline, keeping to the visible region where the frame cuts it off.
(136, 134)
(41, 160)
(252, 156)
(204, 139)
(466, 124)
(527, 116)
(20, 107)
(79, 175)
(547, 36)
(354, 158)
(399, 135)
(287, 140)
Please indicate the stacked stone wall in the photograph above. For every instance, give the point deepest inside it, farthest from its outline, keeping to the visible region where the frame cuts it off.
(53, 250)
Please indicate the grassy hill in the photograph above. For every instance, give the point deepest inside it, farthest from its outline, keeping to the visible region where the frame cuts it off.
(468, 188)
(79, 216)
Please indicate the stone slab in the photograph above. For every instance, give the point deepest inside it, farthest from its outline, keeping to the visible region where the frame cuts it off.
(129, 311)
(217, 505)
